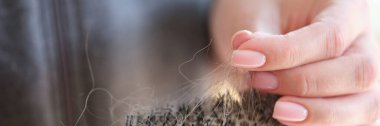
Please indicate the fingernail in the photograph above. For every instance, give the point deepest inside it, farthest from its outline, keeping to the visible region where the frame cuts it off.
(264, 80)
(240, 37)
(247, 59)
(288, 111)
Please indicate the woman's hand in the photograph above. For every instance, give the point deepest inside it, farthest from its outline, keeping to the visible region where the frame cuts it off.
(322, 57)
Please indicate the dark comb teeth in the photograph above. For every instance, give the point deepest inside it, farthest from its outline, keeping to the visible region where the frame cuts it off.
(255, 109)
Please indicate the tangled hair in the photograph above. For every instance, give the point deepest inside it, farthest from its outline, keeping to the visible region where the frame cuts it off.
(223, 103)
(222, 98)
(221, 111)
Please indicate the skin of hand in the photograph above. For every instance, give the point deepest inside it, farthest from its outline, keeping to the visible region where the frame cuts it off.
(320, 55)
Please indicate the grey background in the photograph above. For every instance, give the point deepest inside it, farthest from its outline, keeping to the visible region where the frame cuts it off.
(44, 72)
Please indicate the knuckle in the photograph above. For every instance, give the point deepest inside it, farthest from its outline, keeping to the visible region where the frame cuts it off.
(334, 42)
(308, 85)
(291, 54)
(366, 73)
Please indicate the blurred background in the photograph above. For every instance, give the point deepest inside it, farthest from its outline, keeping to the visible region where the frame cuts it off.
(134, 48)
(375, 10)
(45, 46)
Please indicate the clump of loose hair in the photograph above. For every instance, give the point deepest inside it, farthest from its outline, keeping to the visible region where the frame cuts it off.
(223, 103)
(222, 98)
(254, 109)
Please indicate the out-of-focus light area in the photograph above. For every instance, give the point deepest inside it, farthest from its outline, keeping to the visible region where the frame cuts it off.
(375, 17)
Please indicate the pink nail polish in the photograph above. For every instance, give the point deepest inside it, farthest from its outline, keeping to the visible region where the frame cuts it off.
(247, 59)
(264, 81)
(288, 111)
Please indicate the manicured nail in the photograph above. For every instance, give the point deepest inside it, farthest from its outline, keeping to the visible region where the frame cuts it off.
(264, 80)
(290, 112)
(247, 59)
(240, 37)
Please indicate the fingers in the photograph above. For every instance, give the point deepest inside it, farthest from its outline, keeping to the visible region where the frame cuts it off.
(328, 36)
(356, 71)
(349, 110)
(344, 75)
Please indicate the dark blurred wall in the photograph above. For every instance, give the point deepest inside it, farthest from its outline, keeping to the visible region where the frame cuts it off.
(44, 73)
(28, 71)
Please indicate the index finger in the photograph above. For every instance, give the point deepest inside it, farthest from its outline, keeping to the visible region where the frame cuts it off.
(328, 36)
